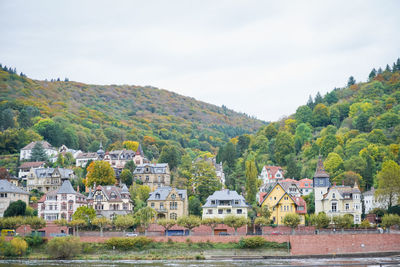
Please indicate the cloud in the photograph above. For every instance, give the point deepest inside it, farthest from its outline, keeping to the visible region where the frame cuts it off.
(260, 57)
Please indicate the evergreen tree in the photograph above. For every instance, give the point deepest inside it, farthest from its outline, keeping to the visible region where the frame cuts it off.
(318, 99)
(38, 153)
(372, 74)
(380, 70)
(387, 68)
(351, 81)
(310, 102)
(251, 182)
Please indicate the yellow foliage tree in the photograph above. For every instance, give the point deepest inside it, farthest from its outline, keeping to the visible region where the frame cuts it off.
(101, 173)
(132, 145)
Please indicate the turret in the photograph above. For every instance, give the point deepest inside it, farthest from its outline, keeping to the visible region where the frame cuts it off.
(321, 184)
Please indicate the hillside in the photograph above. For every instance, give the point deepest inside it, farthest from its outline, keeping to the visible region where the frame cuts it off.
(355, 129)
(80, 115)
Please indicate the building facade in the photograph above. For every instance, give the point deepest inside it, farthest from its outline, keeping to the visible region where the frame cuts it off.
(25, 168)
(225, 202)
(170, 203)
(10, 193)
(47, 179)
(154, 175)
(25, 153)
(335, 200)
(110, 201)
(284, 198)
(371, 201)
(61, 203)
(306, 186)
(271, 174)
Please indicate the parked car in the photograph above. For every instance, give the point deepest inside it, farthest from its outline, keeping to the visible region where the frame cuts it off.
(276, 233)
(223, 233)
(131, 234)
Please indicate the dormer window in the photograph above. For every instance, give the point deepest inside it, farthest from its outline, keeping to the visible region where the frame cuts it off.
(333, 195)
(113, 195)
(173, 196)
(158, 196)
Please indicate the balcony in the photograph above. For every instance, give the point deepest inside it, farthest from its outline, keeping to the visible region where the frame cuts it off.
(161, 210)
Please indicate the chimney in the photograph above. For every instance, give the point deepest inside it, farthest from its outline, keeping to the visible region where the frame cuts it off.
(77, 188)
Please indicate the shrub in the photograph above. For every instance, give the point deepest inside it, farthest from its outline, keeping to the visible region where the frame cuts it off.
(252, 242)
(125, 243)
(35, 240)
(19, 246)
(64, 247)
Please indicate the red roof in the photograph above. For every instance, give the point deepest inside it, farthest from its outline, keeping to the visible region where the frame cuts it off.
(300, 202)
(31, 164)
(305, 181)
(262, 195)
(272, 170)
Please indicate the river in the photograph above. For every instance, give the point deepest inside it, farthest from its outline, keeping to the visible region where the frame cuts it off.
(384, 261)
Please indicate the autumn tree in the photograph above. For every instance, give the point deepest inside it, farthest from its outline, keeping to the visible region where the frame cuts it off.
(132, 145)
(123, 222)
(389, 183)
(292, 220)
(100, 173)
(84, 213)
(204, 181)
(251, 181)
(101, 222)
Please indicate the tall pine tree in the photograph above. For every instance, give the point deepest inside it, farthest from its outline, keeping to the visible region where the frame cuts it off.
(251, 181)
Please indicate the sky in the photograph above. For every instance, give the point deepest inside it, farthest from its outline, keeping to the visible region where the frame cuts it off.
(264, 58)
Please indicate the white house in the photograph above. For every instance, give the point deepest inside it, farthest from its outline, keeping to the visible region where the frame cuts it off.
(25, 153)
(61, 203)
(371, 202)
(271, 174)
(223, 203)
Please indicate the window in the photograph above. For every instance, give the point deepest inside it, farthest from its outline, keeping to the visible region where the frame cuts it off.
(70, 207)
(173, 205)
(161, 206)
(152, 205)
(113, 195)
(239, 211)
(173, 216)
(220, 211)
(147, 178)
(212, 202)
(306, 184)
(274, 198)
(158, 196)
(173, 196)
(209, 211)
(333, 195)
(334, 206)
(228, 211)
(286, 198)
(347, 206)
(236, 202)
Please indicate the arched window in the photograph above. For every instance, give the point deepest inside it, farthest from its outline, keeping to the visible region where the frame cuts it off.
(173, 216)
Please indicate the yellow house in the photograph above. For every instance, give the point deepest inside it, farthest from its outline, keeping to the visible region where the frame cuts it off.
(280, 203)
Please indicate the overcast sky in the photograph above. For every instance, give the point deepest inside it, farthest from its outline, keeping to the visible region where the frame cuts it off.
(263, 58)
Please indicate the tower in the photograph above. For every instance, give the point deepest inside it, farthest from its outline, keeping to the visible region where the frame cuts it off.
(321, 185)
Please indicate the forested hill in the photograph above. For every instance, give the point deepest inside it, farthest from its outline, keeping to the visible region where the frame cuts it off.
(80, 115)
(355, 129)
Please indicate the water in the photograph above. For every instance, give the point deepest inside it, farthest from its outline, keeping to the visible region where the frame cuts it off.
(384, 261)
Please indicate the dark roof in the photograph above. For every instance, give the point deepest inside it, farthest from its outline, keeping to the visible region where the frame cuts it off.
(320, 171)
(165, 191)
(7, 187)
(160, 168)
(45, 145)
(226, 194)
(31, 164)
(88, 155)
(47, 172)
(66, 188)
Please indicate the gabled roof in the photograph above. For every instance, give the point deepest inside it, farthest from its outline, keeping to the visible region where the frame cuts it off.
(32, 164)
(45, 145)
(66, 188)
(160, 168)
(226, 194)
(89, 155)
(7, 187)
(47, 172)
(139, 151)
(273, 170)
(109, 190)
(164, 193)
(298, 201)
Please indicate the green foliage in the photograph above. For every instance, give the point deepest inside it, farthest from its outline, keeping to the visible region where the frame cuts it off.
(365, 224)
(171, 155)
(194, 206)
(389, 220)
(38, 152)
(252, 242)
(204, 181)
(251, 181)
(292, 220)
(87, 214)
(389, 182)
(235, 221)
(36, 223)
(319, 221)
(124, 222)
(189, 222)
(144, 216)
(128, 243)
(35, 240)
(64, 247)
(343, 221)
(16, 208)
(126, 177)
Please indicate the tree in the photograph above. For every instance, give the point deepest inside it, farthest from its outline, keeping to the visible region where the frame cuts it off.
(76, 224)
(328, 144)
(365, 224)
(261, 222)
(389, 220)
(303, 114)
(87, 214)
(171, 155)
(130, 165)
(189, 222)
(285, 145)
(132, 145)
(251, 181)
(343, 221)
(389, 183)
(167, 224)
(101, 173)
(16, 208)
(12, 222)
(333, 164)
(101, 222)
(212, 223)
(319, 221)
(126, 177)
(194, 206)
(310, 200)
(139, 195)
(7, 119)
(38, 153)
(4, 174)
(351, 81)
(204, 181)
(144, 216)
(292, 220)
(36, 223)
(320, 116)
(61, 222)
(235, 221)
(124, 222)
(372, 74)
(60, 161)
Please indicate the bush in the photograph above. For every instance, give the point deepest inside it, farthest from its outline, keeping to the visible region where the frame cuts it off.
(125, 243)
(64, 247)
(19, 246)
(252, 242)
(35, 240)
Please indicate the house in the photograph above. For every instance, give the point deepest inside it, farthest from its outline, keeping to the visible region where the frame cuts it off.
(83, 158)
(47, 179)
(371, 201)
(271, 174)
(153, 175)
(110, 201)
(10, 193)
(292, 186)
(64, 149)
(26, 167)
(283, 198)
(25, 153)
(335, 200)
(306, 186)
(61, 203)
(139, 157)
(225, 202)
(169, 202)
(118, 158)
